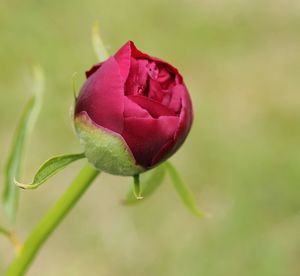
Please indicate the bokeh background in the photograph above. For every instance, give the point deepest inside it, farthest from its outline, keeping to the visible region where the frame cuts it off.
(241, 62)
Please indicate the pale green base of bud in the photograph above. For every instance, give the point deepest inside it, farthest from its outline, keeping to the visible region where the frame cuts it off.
(106, 150)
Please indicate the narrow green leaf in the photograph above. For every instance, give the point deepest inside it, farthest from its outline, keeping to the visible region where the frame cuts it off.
(150, 181)
(183, 190)
(49, 168)
(13, 163)
(98, 44)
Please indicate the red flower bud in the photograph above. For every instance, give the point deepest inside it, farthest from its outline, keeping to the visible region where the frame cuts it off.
(133, 112)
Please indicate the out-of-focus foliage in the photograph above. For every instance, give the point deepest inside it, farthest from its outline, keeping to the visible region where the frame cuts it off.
(241, 62)
(16, 154)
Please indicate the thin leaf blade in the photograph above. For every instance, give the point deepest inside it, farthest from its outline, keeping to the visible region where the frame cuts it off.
(50, 168)
(98, 45)
(150, 182)
(183, 191)
(22, 132)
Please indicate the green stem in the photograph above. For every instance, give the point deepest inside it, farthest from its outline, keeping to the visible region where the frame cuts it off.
(51, 220)
(137, 187)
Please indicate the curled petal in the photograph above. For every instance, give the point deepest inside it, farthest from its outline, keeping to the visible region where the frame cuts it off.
(132, 109)
(145, 137)
(102, 97)
(155, 109)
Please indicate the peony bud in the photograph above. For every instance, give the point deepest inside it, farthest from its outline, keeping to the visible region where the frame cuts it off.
(132, 113)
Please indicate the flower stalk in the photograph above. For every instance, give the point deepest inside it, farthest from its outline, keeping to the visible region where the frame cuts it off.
(51, 220)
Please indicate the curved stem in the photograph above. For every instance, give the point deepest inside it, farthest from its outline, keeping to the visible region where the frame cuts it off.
(51, 220)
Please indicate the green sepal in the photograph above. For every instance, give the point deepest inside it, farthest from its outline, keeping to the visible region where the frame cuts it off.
(106, 150)
(49, 168)
(13, 163)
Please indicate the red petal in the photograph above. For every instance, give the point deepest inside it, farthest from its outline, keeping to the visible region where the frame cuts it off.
(137, 78)
(123, 57)
(154, 108)
(129, 50)
(185, 118)
(102, 97)
(138, 54)
(176, 98)
(92, 70)
(145, 137)
(131, 109)
(164, 152)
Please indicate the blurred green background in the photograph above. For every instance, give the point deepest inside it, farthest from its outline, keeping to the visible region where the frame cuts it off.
(241, 62)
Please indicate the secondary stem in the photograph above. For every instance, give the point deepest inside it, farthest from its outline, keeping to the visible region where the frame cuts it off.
(51, 220)
(137, 187)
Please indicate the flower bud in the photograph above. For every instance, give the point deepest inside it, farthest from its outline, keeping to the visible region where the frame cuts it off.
(132, 113)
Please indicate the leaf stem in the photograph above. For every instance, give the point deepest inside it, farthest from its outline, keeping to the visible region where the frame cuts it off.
(137, 187)
(51, 220)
